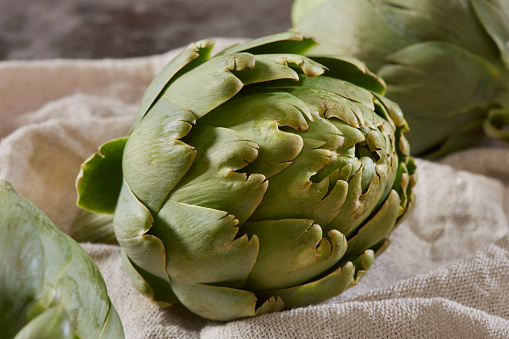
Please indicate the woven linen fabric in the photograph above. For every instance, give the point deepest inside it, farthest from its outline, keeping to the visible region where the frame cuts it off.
(445, 275)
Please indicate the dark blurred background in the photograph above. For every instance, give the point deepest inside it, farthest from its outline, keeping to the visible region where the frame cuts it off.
(43, 29)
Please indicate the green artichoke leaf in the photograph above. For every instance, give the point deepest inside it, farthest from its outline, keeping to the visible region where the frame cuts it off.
(315, 291)
(364, 262)
(377, 228)
(277, 66)
(215, 302)
(132, 222)
(497, 123)
(342, 88)
(192, 56)
(271, 304)
(226, 73)
(21, 275)
(51, 324)
(157, 289)
(201, 246)
(100, 178)
(395, 114)
(351, 70)
(292, 251)
(54, 282)
(329, 105)
(493, 15)
(210, 84)
(286, 42)
(153, 144)
(93, 227)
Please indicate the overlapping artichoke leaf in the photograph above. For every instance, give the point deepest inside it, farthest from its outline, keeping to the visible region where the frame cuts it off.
(246, 176)
(49, 286)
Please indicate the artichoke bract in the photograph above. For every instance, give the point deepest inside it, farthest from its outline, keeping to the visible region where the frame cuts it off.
(49, 285)
(446, 63)
(255, 180)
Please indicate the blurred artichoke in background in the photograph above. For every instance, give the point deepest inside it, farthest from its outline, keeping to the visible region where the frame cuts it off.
(49, 286)
(255, 180)
(445, 62)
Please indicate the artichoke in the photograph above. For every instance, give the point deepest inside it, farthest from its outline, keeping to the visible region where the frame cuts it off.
(255, 180)
(445, 62)
(49, 286)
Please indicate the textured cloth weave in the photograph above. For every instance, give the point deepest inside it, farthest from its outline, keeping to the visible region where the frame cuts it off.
(446, 274)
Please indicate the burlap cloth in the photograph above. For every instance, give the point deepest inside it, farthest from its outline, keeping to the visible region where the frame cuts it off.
(446, 274)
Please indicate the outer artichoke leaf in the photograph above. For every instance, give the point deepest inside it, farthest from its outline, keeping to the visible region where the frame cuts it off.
(423, 79)
(497, 123)
(155, 288)
(93, 227)
(376, 228)
(100, 178)
(271, 305)
(112, 326)
(327, 105)
(286, 42)
(21, 273)
(292, 251)
(132, 222)
(192, 56)
(278, 66)
(215, 302)
(316, 291)
(152, 146)
(494, 16)
(362, 264)
(54, 323)
(86, 299)
(209, 85)
(395, 112)
(201, 246)
(342, 88)
(351, 70)
(59, 262)
(382, 246)
(402, 183)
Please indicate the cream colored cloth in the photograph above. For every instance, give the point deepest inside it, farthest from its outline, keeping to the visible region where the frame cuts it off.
(446, 274)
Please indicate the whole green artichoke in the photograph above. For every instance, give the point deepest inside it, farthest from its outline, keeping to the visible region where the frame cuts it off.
(49, 286)
(256, 180)
(445, 61)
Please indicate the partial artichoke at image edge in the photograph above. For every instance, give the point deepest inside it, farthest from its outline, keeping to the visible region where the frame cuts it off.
(49, 286)
(255, 180)
(445, 62)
